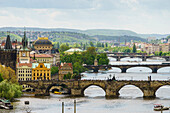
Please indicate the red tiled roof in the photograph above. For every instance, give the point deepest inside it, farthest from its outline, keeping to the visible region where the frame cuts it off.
(41, 55)
(70, 64)
(25, 64)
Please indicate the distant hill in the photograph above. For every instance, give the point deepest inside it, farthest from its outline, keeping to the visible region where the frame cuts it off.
(12, 36)
(78, 35)
(110, 32)
(121, 38)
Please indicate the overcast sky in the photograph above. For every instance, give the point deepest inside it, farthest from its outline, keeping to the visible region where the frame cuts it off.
(141, 16)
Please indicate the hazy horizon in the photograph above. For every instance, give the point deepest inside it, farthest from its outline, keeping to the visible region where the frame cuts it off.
(140, 16)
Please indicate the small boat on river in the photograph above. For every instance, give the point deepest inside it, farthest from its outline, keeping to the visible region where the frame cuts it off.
(5, 104)
(159, 107)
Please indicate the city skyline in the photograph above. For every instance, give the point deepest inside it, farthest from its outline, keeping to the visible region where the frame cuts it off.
(141, 16)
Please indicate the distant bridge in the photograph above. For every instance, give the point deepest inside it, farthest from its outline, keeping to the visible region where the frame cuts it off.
(153, 67)
(111, 87)
(118, 57)
(143, 56)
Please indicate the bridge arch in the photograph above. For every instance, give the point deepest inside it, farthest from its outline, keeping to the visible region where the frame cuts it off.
(134, 58)
(86, 87)
(133, 87)
(55, 84)
(162, 90)
(163, 68)
(143, 67)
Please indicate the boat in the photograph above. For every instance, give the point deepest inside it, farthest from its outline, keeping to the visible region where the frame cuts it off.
(5, 104)
(159, 107)
(56, 92)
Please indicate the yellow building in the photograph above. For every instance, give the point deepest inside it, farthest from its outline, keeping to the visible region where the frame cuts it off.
(64, 69)
(43, 45)
(24, 73)
(41, 71)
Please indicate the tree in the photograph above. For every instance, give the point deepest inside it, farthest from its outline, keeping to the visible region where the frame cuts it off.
(1, 78)
(10, 90)
(91, 44)
(168, 37)
(67, 76)
(63, 47)
(134, 48)
(58, 45)
(160, 53)
(84, 46)
(54, 70)
(106, 44)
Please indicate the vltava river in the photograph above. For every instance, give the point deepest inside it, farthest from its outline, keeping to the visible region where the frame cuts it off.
(130, 100)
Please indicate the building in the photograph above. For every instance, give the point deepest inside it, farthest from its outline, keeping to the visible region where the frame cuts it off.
(24, 73)
(72, 50)
(165, 47)
(24, 52)
(43, 45)
(151, 39)
(64, 69)
(43, 58)
(41, 71)
(8, 55)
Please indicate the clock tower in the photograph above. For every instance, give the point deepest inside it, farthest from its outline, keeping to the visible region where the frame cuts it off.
(24, 53)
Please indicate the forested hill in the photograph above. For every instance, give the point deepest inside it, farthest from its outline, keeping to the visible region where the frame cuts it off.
(69, 37)
(121, 38)
(90, 32)
(12, 35)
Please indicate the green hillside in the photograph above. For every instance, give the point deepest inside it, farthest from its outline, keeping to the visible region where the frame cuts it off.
(121, 38)
(110, 32)
(70, 37)
(12, 36)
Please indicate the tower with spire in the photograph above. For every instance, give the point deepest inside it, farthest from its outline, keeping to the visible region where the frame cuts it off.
(24, 53)
(24, 41)
(8, 55)
(8, 44)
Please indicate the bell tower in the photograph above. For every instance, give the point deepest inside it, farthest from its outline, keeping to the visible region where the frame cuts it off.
(24, 53)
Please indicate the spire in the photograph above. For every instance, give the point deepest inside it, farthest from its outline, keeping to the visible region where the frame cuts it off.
(8, 44)
(24, 40)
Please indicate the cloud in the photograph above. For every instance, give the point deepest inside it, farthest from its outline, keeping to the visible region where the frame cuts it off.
(142, 16)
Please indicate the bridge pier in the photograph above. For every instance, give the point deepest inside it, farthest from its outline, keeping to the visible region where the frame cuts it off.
(154, 70)
(118, 58)
(110, 93)
(167, 58)
(95, 70)
(149, 93)
(41, 92)
(76, 92)
(123, 70)
(143, 58)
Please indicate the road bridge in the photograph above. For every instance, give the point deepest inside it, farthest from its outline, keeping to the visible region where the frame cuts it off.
(153, 67)
(111, 87)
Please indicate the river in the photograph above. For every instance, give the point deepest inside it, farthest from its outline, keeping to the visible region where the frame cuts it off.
(94, 101)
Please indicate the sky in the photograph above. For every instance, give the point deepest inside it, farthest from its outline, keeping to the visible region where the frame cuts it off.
(141, 16)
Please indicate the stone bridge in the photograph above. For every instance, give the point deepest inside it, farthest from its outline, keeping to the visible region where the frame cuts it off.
(118, 57)
(111, 87)
(153, 67)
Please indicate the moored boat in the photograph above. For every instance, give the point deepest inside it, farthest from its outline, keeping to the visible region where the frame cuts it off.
(5, 104)
(159, 107)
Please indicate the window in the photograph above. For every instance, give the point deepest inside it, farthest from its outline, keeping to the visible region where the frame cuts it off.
(41, 66)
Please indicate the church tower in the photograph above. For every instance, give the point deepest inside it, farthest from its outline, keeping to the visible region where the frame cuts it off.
(24, 53)
(8, 44)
